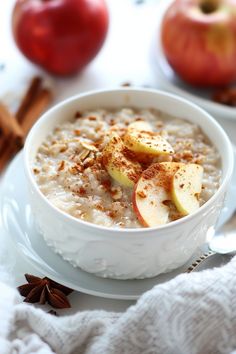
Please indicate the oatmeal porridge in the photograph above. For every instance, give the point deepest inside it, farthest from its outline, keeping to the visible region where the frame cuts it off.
(127, 168)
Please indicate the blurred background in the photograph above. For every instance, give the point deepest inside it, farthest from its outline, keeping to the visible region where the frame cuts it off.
(124, 56)
(113, 43)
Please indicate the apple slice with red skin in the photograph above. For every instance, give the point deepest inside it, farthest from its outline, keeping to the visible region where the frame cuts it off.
(152, 191)
(186, 188)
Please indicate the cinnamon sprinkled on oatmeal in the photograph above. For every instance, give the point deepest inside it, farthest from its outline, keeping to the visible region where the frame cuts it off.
(112, 214)
(77, 132)
(141, 194)
(129, 154)
(162, 174)
(82, 191)
(71, 167)
(106, 184)
(61, 165)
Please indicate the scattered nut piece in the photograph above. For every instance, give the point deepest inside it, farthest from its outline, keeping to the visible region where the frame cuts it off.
(55, 149)
(75, 169)
(142, 194)
(226, 96)
(126, 84)
(83, 154)
(61, 165)
(78, 114)
(77, 132)
(88, 146)
(36, 171)
(88, 162)
(116, 193)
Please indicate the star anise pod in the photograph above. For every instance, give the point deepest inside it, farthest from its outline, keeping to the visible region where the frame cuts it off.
(44, 290)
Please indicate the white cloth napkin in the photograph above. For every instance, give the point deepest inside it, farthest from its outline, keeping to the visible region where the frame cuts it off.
(191, 314)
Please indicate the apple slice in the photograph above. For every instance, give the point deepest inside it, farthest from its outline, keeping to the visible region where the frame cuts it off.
(118, 163)
(186, 188)
(140, 125)
(147, 142)
(152, 191)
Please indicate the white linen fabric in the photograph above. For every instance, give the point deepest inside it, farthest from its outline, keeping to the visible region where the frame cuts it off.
(191, 314)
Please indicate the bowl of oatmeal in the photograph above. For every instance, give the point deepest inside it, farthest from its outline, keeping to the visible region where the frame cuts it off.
(126, 183)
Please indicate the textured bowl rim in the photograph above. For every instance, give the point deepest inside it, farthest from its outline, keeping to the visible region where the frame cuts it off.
(126, 231)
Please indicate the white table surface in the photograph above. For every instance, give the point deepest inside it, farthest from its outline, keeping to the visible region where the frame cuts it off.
(125, 57)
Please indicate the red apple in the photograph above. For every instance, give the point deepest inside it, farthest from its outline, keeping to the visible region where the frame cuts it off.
(62, 36)
(199, 40)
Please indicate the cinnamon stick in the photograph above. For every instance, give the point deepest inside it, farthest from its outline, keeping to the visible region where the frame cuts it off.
(37, 107)
(9, 125)
(8, 150)
(31, 93)
(2, 144)
(13, 129)
(11, 137)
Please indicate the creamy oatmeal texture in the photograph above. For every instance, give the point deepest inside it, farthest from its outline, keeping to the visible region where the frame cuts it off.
(70, 172)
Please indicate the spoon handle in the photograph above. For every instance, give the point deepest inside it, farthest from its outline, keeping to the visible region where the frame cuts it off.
(199, 261)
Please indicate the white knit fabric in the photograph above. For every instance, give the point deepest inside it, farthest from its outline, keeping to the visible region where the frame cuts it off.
(191, 314)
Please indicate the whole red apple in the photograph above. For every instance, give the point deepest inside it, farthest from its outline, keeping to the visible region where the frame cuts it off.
(199, 40)
(62, 36)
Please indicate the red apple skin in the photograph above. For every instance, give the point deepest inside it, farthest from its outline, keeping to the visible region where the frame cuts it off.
(62, 36)
(201, 47)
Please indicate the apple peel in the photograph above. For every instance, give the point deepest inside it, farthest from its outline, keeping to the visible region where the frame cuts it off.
(186, 188)
(151, 193)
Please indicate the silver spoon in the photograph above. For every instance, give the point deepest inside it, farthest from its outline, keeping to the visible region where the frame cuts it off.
(222, 242)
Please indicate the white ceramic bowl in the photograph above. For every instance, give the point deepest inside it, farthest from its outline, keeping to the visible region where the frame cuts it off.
(126, 253)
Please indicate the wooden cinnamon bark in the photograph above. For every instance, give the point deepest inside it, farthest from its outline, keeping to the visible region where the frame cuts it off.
(37, 107)
(9, 124)
(33, 90)
(14, 128)
(8, 150)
